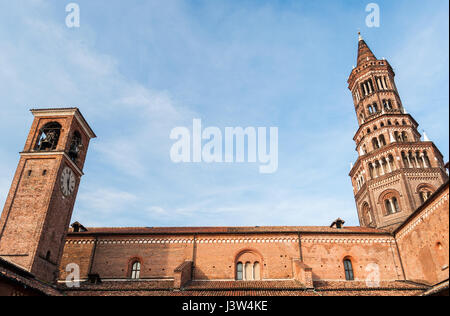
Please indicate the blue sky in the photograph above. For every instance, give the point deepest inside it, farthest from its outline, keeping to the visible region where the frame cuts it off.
(137, 69)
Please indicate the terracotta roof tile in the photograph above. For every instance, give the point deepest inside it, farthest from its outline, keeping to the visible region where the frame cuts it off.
(17, 275)
(246, 288)
(226, 230)
(146, 285)
(245, 285)
(361, 285)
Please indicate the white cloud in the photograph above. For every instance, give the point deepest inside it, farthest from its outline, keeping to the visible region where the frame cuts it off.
(107, 200)
(44, 64)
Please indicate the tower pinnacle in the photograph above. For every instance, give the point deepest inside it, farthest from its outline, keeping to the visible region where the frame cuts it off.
(364, 52)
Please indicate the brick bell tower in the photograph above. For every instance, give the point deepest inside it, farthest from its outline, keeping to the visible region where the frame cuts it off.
(396, 170)
(39, 206)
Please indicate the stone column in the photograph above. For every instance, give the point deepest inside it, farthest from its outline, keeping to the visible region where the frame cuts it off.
(389, 164)
(417, 161)
(392, 206)
(424, 161)
(409, 161)
(382, 168)
(379, 84)
(384, 83)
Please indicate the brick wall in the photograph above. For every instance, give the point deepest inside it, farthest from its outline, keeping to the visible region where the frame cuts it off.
(215, 256)
(423, 241)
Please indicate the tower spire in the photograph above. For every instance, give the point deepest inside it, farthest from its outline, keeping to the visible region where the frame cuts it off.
(364, 52)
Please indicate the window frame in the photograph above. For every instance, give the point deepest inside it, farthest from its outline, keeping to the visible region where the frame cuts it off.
(348, 269)
(239, 272)
(135, 272)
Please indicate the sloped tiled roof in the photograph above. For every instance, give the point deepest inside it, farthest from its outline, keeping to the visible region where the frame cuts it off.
(250, 288)
(245, 285)
(141, 285)
(226, 230)
(21, 277)
(362, 285)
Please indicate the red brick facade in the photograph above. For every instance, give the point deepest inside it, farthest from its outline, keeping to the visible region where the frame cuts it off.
(423, 241)
(401, 247)
(36, 215)
(395, 171)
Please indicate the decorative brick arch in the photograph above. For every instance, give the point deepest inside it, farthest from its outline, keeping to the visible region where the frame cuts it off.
(425, 186)
(367, 214)
(389, 195)
(424, 191)
(131, 261)
(248, 256)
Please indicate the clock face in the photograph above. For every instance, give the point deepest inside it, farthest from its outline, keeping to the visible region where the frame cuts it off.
(68, 181)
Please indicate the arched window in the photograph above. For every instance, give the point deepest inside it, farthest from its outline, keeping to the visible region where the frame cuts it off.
(367, 215)
(248, 266)
(361, 118)
(396, 206)
(388, 205)
(412, 160)
(405, 160)
(348, 267)
(75, 147)
(425, 191)
(239, 271)
(404, 137)
(392, 206)
(391, 162)
(375, 107)
(48, 137)
(424, 196)
(390, 201)
(135, 270)
(389, 104)
(375, 143)
(363, 89)
(382, 140)
(256, 271)
(371, 171)
(248, 273)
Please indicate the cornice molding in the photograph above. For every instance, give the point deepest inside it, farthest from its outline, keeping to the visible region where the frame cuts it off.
(146, 241)
(66, 112)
